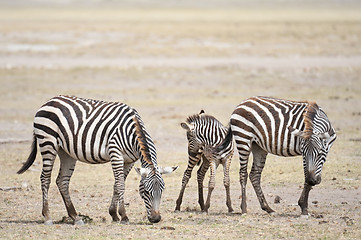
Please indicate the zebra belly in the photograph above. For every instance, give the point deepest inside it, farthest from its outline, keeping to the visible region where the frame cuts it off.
(94, 157)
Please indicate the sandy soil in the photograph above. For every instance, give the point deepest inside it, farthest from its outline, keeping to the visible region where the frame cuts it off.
(168, 64)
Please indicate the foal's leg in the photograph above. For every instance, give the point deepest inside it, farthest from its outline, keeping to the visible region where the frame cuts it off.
(213, 164)
(200, 178)
(226, 182)
(67, 166)
(193, 159)
(259, 159)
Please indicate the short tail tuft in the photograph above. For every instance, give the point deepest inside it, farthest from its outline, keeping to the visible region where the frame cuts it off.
(31, 157)
(226, 141)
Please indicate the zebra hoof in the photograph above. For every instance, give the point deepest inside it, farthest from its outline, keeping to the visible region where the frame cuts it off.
(48, 222)
(204, 212)
(79, 222)
(273, 214)
(125, 220)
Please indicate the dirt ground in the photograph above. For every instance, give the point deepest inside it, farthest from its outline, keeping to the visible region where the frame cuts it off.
(169, 63)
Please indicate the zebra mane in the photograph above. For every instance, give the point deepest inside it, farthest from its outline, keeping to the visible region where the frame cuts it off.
(142, 140)
(198, 117)
(309, 115)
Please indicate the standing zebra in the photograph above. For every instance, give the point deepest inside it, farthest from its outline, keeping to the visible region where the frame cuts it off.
(263, 125)
(204, 134)
(96, 132)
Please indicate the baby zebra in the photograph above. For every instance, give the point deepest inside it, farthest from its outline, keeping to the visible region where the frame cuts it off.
(96, 132)
(204, 134)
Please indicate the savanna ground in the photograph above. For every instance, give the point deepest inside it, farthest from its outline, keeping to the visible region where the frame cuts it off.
(169, 63)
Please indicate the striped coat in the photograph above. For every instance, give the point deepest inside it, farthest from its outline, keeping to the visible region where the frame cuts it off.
(204, 134)
(263, 125)
(96, 132)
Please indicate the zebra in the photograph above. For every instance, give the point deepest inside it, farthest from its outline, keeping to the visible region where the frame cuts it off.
(96, 132)
(263, 125)
(204, 134)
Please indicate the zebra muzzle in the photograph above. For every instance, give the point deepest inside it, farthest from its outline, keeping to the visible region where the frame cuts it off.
(154, 217)
(312, 179)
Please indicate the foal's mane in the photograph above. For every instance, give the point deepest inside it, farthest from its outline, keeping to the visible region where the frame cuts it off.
(199, 117)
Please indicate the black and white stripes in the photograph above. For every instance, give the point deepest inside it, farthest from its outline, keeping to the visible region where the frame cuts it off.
(204, 134)
(263, 125)
(96, 132)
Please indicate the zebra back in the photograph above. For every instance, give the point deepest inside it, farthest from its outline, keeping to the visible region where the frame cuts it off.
(206, 129)
(85, 128)
(268, 122)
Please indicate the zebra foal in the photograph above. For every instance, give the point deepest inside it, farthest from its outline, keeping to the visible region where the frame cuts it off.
(263, 125)
(204, 134)
(96, 132)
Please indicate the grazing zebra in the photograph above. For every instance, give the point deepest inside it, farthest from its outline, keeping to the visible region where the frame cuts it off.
(96, 132)
(204, 134)
(263, 125)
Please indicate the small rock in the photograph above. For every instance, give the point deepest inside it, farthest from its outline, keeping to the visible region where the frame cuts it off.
(167, 228)
(277, 199)
(314, 202)
(24, 185)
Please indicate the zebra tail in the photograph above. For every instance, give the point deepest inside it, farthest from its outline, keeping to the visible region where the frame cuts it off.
(200, 160)
(31, 157)
(226, 141)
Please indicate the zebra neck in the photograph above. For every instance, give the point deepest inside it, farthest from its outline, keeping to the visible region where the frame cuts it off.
(145, 164)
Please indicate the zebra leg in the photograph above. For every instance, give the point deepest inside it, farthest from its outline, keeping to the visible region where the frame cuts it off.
(303, 201)
(226, 183)
(127, 169)
(243, 151)
(48, 153)
(192, 161)
(117, 162)
(259, 159)
(212, 182)
(67, 166)
(121, 210)
(200, 178)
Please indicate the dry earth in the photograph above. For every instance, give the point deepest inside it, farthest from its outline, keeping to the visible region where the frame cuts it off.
(169, 63)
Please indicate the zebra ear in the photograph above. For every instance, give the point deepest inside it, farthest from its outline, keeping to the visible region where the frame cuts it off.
(143, 172)
(185, 126)
(201, 112)
(167, 170)
(295, 132)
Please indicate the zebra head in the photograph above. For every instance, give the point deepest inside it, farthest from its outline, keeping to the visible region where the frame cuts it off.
(193, 127)
(315, 143)
(151, 187)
